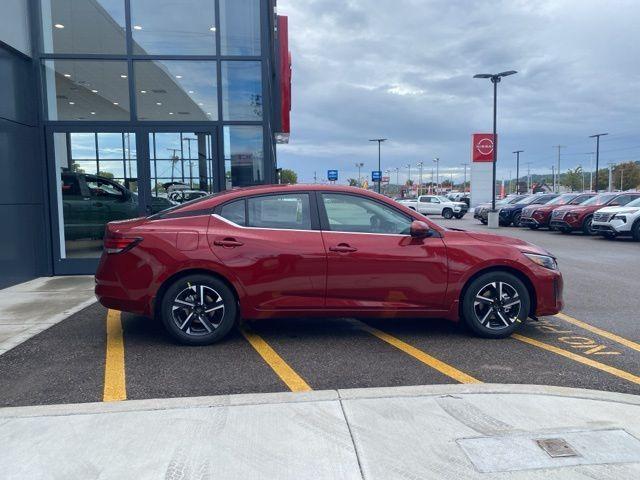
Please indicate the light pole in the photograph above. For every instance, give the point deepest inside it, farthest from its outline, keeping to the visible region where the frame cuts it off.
(597, 137)
(409, 174)
(610, 179)
(495, 79)
(359, 165)
(582, 175)
(437, 162)
(464, 185)
(379, 140)
(518, 152)
(190, 139)
(529, 177)
(419, 165)
(557, 186)
(398, 178)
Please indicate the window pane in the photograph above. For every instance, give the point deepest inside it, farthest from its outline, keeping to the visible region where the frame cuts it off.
(350, 213)
(72, 26)
(173, 27)
(241, 91)
(176, 90)
(280, 211)
(87, 90)
(182, 167)
(243, 155)
(91, 192)
(234, 212)
(240, 27)
(110, 146)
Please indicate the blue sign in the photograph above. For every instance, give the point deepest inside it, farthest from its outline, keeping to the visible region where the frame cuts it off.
(376, 176)
(332, 175)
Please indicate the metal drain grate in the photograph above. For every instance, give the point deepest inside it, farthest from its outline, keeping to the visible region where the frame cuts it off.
(557, 447)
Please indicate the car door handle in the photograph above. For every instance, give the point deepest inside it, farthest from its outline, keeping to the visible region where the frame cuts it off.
(228, 243)
(343, 248)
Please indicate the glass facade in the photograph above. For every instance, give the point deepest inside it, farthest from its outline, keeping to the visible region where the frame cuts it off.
(149, 103)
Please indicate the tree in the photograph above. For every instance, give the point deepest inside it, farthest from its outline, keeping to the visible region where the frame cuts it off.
(108, 175)
(573, 179)
(352, 182)
(288, 176)
(629, 173)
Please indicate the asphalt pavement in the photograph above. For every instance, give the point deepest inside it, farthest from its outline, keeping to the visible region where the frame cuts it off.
(593, 345)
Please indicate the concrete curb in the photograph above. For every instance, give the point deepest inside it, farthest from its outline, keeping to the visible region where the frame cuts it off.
(42, 326)
(314, 396)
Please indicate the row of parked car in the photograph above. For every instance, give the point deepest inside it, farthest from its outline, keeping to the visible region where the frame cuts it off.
(609, 214)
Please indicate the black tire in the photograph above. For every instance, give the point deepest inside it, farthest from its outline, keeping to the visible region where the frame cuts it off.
(635, 231)
(565, 230)
(483, 317)
(516, 219)
(447, 213)
(587, 228)
(534, 227)
(484, 222)
(459, 216)
(204, 328)
(609, 235)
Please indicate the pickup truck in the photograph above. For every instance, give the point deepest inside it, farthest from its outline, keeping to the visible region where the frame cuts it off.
(436, 205)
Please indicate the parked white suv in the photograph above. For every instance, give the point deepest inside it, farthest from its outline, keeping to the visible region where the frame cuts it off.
(436, 205)
(614, 221)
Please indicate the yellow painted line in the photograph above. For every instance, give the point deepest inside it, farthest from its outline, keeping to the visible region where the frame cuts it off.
(603, 333)
(419, 355)
(287, 374)
(579, 358)
(115, 387)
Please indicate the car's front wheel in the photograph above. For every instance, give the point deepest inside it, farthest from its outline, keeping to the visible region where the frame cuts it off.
(495, 304)
(447, 213)
(198, 309)
(635, 231)
(516, 220)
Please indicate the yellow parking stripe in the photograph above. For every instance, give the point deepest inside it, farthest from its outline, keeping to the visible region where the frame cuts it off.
(419, 355)
(287, 374)
(115, 387)
(579, 358)
(603, 333)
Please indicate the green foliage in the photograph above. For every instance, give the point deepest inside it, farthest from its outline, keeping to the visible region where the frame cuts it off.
(288, 176)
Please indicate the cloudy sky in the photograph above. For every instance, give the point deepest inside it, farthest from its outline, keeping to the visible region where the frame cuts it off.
(403, 70)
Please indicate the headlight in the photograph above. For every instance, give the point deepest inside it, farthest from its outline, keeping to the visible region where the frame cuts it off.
(545, 261)
(620, 217)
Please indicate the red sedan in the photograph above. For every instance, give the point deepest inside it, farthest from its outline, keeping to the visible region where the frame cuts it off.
(293, 251)
(538, 216)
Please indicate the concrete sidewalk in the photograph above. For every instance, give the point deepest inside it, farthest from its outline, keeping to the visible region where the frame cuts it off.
(426, 432)
(31, 307)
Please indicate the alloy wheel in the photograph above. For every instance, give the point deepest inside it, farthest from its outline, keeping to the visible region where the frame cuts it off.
(497, 305)
(197, 310)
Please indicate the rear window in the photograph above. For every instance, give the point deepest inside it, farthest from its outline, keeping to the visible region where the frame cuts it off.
(234, 212)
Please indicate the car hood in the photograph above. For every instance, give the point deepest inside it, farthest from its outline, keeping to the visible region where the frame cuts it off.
(504, 240)
(618, 209)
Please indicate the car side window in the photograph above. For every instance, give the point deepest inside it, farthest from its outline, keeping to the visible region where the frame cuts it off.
(353, 213)
(425, 199)
(287, 211)
(434, 200)
(70, 186)
(101, 189)
(234, 212)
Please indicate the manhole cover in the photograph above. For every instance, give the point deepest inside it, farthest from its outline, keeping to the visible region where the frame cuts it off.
(557, 447)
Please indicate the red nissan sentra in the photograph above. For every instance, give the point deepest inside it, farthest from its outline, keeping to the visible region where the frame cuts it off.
(317, 250)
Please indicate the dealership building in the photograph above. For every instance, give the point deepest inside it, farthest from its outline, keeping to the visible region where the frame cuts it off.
(112, 109)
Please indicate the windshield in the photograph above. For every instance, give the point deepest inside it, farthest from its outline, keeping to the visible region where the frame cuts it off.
(580, 199)
(600, 199)
(562, 199)
(635, 203)
(443, 199)
(528, 200)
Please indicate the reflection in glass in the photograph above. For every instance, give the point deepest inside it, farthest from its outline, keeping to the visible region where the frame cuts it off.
(73, 26)
(93, 190)
(87, 90)
(243, 155)
(240, 27)
(173, 27)
(182, 167)
(241, 90)
(176, 90)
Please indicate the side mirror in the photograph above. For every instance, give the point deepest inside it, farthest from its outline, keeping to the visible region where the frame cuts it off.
(420, 229)
(614, 204)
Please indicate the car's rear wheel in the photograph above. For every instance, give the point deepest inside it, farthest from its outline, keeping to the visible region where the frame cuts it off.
(587, 226)
(198, 309)
(495, 304)
(447, 213)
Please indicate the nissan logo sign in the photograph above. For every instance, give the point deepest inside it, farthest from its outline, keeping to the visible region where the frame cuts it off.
(485, 146)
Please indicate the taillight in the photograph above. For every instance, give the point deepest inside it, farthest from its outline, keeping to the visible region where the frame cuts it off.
(120, 245)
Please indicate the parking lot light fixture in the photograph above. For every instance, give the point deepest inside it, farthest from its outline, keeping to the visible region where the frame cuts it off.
(495, 79)
(359, 165)
(379, 140)
(597, 137)
(437, 162)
